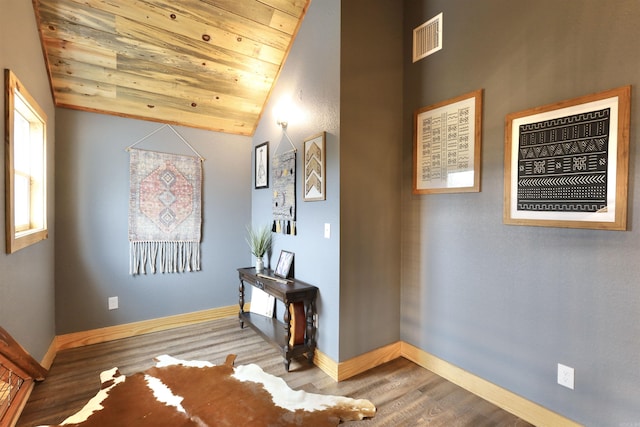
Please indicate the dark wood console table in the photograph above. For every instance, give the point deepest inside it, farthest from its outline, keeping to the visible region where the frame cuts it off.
(279, 333)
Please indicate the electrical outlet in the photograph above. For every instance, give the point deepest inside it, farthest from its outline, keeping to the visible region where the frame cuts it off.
(565, 376)
(113, 303)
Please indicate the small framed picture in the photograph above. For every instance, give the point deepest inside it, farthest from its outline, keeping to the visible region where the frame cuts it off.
(261, 172)
(284, 264)
(315, 168)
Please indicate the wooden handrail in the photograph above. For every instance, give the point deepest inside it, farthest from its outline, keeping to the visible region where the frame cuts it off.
(13, 352)
(14, 357)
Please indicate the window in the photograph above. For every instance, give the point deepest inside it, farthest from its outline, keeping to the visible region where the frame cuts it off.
(25, 167)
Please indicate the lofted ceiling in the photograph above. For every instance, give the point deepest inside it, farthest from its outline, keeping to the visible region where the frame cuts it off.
(208, 64)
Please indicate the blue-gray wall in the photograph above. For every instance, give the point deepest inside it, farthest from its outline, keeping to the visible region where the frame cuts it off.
(370, 175)
(92, 253)
(26, 276)
(508, 303)
(310, 80)
(345, 78)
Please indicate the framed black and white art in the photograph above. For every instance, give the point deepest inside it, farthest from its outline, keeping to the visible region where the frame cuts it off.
(447, 145)
(567, 164)
(261, 172)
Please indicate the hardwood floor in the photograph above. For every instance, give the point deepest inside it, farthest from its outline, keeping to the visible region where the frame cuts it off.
(404, 393)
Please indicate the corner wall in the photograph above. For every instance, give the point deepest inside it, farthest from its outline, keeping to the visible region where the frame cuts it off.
(370, 175)
(508, 303)
(26, 284)
(310, 81)
(344, 76)
(92, 256)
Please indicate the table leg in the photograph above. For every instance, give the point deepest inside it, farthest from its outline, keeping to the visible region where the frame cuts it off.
(241, 303)
(310, 339)
(287, 325)
(287, 334)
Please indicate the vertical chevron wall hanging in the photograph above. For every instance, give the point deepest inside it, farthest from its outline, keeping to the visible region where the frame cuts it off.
(315, 168)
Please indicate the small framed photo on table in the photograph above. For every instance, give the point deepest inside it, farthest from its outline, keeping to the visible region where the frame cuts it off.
(284, 264)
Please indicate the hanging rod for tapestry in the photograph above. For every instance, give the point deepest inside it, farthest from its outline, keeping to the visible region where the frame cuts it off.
(293, 147)
(174, 131)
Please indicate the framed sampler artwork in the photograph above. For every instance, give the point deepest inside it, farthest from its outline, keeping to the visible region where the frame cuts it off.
(567, 164)
(315, 176)
(261, 169)
(447, 146)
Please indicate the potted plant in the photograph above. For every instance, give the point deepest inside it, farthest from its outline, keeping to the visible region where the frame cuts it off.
(259, 241)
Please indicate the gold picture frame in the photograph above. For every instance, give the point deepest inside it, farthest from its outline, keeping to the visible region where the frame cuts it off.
(447, 145)
(567, 163)
(315, 170)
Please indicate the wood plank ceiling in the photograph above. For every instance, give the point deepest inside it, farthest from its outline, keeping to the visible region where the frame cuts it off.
(208, 64)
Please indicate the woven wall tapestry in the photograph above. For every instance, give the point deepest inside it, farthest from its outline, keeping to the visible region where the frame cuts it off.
(284, 193)
(164, 212)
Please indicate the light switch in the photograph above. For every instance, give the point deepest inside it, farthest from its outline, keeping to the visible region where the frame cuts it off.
(327, 230)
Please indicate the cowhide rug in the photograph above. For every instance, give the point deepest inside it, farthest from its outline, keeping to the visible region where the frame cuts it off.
(193, 393)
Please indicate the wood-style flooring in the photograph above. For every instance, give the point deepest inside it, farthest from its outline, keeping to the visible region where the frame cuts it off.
(404, 393)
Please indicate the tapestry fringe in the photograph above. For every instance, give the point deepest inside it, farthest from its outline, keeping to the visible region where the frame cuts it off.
(171, 257)
(284, 227)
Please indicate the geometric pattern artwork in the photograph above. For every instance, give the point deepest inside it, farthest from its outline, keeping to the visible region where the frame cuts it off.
(284, 193)
(567, 163)
(447, 146)
(314, 168)
(166, 197)
(563, 163)
(164, 211)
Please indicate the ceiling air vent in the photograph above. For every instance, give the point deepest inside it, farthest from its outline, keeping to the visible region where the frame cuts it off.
(427, 38)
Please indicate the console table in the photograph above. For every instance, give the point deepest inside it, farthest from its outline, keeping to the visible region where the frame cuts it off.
(292, 293)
